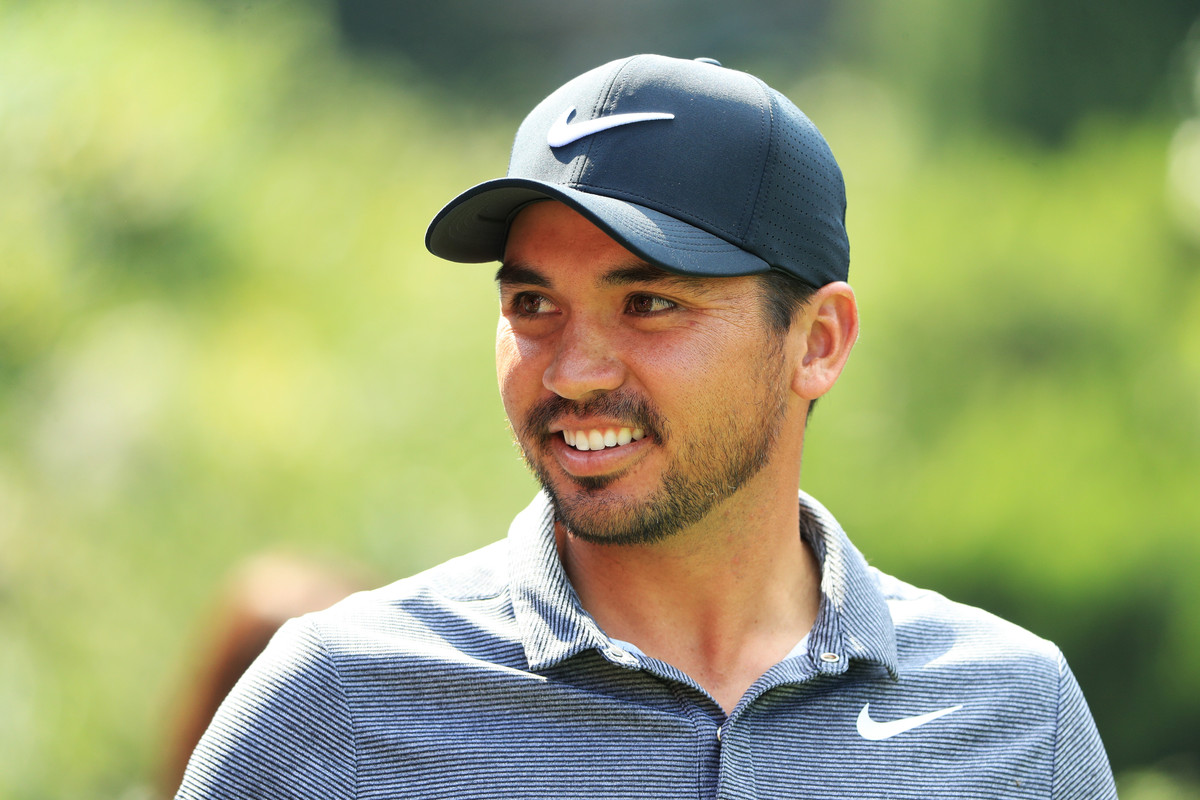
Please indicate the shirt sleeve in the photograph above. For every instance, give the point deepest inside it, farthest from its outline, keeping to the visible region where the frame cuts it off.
(283, 732)
(1081, 768)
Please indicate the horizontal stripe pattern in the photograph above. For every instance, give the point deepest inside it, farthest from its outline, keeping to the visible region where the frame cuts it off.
(484, 678)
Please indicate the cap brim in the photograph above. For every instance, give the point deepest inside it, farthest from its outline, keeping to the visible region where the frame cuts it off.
(473, 228)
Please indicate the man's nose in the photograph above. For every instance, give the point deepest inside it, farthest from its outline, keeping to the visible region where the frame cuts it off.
(585, 362)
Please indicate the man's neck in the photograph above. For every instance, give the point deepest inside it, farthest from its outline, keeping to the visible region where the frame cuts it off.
(722, 601)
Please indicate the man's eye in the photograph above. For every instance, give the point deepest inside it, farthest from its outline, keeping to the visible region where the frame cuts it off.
(530, 304)
(648, 304)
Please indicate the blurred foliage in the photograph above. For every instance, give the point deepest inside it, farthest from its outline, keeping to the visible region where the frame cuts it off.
(499, 54)
(1027, 67)
(220, 334)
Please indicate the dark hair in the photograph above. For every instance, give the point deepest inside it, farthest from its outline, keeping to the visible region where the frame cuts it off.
(783, 296)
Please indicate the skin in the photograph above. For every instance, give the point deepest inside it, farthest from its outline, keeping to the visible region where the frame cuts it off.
(722, 596)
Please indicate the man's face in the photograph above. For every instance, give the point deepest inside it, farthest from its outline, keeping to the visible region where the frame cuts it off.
(640, 399)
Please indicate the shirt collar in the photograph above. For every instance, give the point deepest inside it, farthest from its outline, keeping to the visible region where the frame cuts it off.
(853, 621)
(552, 622)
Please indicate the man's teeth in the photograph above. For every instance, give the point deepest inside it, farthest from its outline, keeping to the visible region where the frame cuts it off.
(597, 439)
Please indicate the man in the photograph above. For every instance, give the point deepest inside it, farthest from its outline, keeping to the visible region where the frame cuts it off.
(666, 619)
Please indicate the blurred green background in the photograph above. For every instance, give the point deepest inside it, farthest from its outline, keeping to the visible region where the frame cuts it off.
(220, 334)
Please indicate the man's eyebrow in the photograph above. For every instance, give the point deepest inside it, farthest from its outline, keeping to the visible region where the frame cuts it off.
(639, 272)
(519, 273)
(642, 272)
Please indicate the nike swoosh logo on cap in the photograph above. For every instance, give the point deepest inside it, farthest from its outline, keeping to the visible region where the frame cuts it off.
(876, 731)
(561, 133)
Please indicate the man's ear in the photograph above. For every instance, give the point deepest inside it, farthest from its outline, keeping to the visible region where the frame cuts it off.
(825, 330)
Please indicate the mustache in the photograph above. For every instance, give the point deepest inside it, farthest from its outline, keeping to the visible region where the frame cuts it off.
(618, 405)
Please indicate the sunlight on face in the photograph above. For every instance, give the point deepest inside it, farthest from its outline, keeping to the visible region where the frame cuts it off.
(593, 342)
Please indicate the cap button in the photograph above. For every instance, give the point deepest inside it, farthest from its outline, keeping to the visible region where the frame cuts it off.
(704, 60)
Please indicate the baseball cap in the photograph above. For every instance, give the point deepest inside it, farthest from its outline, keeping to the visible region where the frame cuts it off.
(694, 167)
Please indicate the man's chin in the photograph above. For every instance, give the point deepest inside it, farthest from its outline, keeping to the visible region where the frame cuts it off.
(594, 483)
(593, 508)
(590, 513)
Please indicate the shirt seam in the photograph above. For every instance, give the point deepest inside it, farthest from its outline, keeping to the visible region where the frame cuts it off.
(474, 598)
(755, 195)
(1057, 725)
(690, 712)
(341, 686)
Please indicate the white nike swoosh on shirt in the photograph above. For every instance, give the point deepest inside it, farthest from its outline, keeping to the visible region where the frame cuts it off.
(561, 133)
(876, 731)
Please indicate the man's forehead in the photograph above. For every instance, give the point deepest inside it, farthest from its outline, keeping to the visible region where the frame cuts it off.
(549, 240)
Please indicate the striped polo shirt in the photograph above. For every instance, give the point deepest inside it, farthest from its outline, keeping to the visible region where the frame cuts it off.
(485, 678)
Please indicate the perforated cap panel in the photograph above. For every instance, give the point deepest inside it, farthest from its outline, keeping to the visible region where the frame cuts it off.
(800, 218)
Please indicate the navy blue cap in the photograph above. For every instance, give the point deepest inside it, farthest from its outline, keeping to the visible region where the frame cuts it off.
(696, 168)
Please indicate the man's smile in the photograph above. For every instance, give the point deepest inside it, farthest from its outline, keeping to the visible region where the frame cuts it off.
(604, 435)
(600, 438)
(606, 422)
(592, 450)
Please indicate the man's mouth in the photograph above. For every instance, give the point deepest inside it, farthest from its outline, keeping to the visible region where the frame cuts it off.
(600, 438)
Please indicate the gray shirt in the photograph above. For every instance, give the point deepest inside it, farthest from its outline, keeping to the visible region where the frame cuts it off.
(485, 678)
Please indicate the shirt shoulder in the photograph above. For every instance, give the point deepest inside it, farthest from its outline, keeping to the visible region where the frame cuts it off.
(934, 633)
(306, 718)
(462, 607)
(479, 575)
(1007, 678)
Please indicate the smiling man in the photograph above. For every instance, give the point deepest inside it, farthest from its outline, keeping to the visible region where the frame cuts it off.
(671, 617)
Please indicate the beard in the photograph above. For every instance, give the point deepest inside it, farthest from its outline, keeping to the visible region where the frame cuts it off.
(711, 465)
